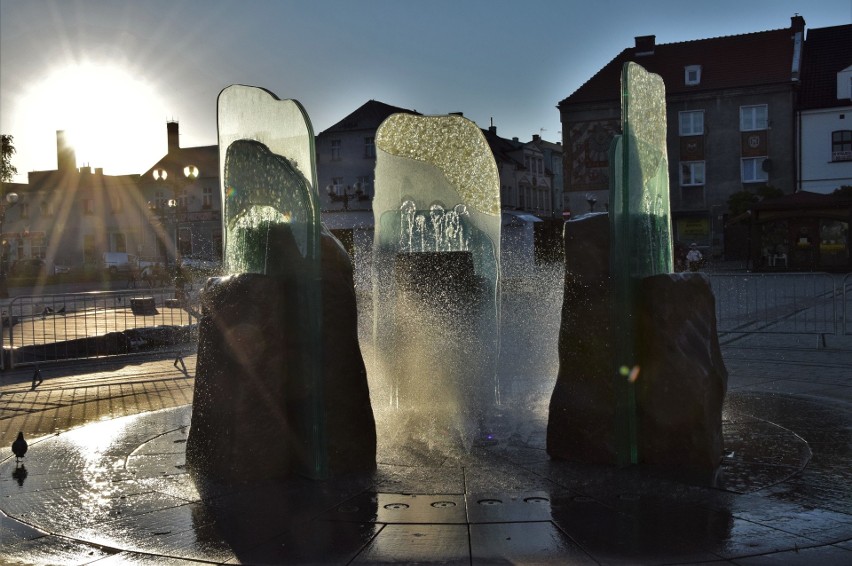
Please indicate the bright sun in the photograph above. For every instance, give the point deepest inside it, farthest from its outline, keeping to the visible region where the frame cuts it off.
(115, 120)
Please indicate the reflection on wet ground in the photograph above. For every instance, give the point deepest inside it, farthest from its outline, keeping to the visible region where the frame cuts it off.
(118, 490)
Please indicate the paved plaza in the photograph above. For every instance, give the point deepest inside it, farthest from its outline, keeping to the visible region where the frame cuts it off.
(104, 482)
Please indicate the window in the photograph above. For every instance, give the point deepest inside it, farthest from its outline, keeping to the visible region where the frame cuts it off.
(692, 74)
(335, 150)
(752, 170)
(366, 183)
(24, 207)
(369, 147)
(119, 242)
(38, 245)
(692, 123)
(88, 206)
(691, 173)
(753, 118)
(841, 145)
(337, 182)
(46, 209)
(206, 197)
(160, 200)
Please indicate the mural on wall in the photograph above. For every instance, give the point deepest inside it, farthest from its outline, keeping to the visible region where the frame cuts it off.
(589, 154)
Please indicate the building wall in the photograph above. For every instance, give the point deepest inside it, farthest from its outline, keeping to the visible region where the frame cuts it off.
(819, 172)
(353, 163)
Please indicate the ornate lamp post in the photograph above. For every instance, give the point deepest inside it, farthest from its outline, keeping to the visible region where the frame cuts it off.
(10, 201)
(348, 192)
(177, 185)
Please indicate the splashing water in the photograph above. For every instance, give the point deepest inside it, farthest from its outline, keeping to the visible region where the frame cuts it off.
(439, 230)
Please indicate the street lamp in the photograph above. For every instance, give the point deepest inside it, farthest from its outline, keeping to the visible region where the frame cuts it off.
(178, 185)
(348, 192)
(11, 199)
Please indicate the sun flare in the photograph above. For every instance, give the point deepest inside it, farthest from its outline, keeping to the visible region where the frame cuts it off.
(111, 117)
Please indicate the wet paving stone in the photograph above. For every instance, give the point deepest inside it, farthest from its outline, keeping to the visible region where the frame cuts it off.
(418, 544)
(125, 490)
(315, 543)
(524, 543)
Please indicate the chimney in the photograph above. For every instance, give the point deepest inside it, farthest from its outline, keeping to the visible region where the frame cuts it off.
(536, 137)
(66, 159)
(797, 23)
(645, 44)
(492, 129)
(173, 134)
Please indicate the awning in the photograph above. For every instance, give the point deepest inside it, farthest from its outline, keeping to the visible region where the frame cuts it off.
(512, 217)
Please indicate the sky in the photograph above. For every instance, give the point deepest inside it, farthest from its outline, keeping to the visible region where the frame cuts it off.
(111, 73)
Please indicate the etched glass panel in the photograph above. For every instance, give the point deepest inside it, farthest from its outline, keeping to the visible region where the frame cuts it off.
(436, 268)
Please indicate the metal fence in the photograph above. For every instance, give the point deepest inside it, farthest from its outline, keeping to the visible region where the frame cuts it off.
(44, 328)
(781, 303)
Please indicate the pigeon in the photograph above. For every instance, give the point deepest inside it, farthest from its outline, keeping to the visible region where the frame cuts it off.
(19, 447)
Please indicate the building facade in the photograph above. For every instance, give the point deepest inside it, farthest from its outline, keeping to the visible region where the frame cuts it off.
(731, 105)
(825, 103)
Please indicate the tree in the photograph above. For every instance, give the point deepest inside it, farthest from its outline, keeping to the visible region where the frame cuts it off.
(7, 150)
(844, 191)
(742, 201)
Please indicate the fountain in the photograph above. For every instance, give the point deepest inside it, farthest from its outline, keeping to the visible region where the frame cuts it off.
(265, 391)
(435, 276)
(641, 377)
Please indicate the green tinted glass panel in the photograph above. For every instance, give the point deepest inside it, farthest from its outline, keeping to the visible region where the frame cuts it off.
(641, 228)
(271, 226)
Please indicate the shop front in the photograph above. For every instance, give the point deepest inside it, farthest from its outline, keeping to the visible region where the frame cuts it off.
(801, 232)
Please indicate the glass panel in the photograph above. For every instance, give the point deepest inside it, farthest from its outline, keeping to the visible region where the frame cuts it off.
(271, 225)
(641, 227)
(436, 265)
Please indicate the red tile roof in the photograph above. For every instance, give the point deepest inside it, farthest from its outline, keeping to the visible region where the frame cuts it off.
(827, 52)
(753, 59)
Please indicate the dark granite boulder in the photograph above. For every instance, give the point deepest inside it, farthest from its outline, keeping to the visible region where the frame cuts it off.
(683, 380)
(582, 408)
(250, 402)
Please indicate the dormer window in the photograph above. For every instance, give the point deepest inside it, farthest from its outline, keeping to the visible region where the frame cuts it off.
(692, 74)
(844, 84)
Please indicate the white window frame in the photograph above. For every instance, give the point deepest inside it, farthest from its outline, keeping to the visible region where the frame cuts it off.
(370, 147)
(692, 75)
(206, 197)
(337, 183)
(751, 170)
(687, 122)
(692, 174)
(751, 119)
(335, 150)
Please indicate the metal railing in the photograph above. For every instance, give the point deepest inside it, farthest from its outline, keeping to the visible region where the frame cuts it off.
(847, 303)
(779, 303)
(44, 328)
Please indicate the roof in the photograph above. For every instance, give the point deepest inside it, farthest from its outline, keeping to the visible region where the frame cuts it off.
(369, 116)
(827, 52)
(205, 157)
(60, 179)
(753, 59)
(502, 148)
(803, 200)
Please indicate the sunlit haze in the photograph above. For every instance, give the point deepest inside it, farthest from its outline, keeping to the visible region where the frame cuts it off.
(113, 73)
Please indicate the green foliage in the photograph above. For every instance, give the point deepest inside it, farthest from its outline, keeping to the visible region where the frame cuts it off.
(741, 201)
(7, 150)
(844, 191)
